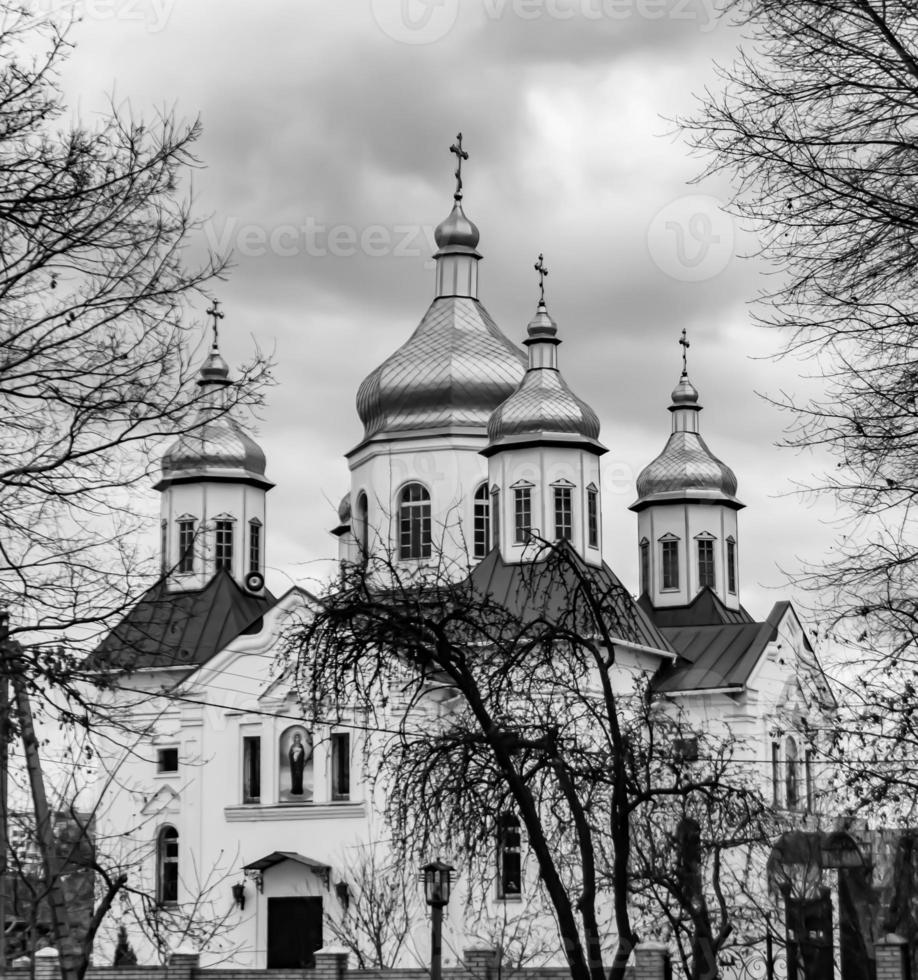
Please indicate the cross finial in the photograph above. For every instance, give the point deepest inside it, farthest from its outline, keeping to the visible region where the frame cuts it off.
(542, 270)
(684, 343)
(460, 156)
(214, 312)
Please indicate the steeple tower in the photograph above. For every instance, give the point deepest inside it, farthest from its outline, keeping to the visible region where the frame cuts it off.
(687, 512)
(213, 486)
(543, 454)
(418, 482)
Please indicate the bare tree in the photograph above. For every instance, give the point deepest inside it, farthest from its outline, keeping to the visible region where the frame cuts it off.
(816, 122)
(95, 366)
(378, 900)
(529, 706)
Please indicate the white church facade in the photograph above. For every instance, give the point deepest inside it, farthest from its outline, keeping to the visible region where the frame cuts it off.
(473, 447)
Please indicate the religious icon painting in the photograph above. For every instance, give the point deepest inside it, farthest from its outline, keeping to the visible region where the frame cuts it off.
(295, 775)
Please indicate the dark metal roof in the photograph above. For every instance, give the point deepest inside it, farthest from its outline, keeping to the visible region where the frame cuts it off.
(706, 609)
(719, 655)
(181, 629)
(544, 589)
(278, 857)
(713, 656)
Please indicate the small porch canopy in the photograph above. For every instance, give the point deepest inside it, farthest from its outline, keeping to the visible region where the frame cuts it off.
(256, 869)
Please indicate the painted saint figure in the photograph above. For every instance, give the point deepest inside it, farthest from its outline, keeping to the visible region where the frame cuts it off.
(297, 757)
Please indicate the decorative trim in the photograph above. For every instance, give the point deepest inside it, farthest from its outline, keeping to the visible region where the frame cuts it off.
(294, 811)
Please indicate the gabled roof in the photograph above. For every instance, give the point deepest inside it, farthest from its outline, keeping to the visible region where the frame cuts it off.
(720, 655)
(706, 609)
(180, 629)
(532, 590)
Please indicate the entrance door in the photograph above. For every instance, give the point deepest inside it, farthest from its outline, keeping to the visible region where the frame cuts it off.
(809, 938)
(294, 932)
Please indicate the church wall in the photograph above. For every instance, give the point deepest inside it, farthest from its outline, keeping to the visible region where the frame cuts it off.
(205, 501)
(686, 522)
(449, 467)
(539, 468)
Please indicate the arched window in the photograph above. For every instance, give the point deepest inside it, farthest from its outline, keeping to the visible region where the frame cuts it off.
(509, 865)
(481, 529)
(164, 546)
(791, 776)
(167, 857)
(414, 522)
(363, 524)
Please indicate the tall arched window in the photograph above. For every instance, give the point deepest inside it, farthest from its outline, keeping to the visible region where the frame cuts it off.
(363, 524)
(645, 566)
(481, 529)
(509, 864)
(791, 776)
(167, 867)
(414, 522)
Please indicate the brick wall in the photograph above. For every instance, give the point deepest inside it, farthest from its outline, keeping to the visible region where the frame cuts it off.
(331, 964)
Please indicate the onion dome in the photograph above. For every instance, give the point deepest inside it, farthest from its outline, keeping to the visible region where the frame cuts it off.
(453, 371)
(686, 469)
(457, 366)
(456, 231)
(543, 408)
(216, 448)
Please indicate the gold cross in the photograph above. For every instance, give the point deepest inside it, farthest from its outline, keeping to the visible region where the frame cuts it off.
(542, 270)
(214, 311)
(460, 156)
(683, 341)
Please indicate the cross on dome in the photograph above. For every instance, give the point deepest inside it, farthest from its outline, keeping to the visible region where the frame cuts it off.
(542, 270)
(684, 344)
(460, 156)
(217, 315)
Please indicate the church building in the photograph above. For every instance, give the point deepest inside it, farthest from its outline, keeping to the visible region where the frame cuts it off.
(474, 449)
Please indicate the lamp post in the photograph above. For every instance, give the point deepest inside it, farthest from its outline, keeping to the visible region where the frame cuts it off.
(437, 877)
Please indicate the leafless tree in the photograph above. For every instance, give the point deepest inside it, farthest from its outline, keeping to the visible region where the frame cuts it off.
(816, 122)
(529, 705)
(96, 367)
(379, 904)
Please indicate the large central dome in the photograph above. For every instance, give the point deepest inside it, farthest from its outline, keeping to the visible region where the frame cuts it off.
(453, 371)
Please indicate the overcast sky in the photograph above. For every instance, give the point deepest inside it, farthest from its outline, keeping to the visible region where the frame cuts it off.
(326, 135)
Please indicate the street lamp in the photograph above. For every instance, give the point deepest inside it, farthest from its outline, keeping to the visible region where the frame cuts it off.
(437, 877)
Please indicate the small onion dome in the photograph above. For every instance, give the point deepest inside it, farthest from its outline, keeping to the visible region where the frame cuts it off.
(453, 371)
(685, 393)
(214, 371)
(686, 469)
(217, 449)
(543, 408)
(456, 230)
